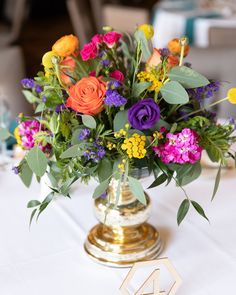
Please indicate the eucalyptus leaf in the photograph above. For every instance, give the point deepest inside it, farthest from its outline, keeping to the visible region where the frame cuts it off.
(89, 121)
(37, 161)
(30, 97)
(101, 188)
(199, 209)
(187, 77)
(183, 210)
(139, 88)
(32, 216)
(140, 37)
(174, 93)
(4, 134)
(40, 107)
(54, 123)
(33, 203)
(192, 175)
(137, 190)
(75, 136)
(217, 182)
(26, 174)
(72, 152)
(104, 169)
(121, 118)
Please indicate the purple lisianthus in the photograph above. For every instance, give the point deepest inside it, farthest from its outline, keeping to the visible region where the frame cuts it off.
(113, 98)
(84, 133)
(59, 108)
(144, 114)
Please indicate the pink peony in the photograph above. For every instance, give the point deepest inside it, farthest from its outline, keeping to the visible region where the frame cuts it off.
(89, 51)
(118, 75)
(111, 38)
(97, 39)
(180, 148)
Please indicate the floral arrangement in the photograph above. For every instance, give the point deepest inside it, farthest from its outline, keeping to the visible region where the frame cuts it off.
(115, 105)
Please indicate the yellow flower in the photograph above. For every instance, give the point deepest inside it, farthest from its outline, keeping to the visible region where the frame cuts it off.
(17, 135)
(47, 59)
(121, 167)
(66, 45)
(150, 77)
(232, 95)
(147, 30)
(135, 146)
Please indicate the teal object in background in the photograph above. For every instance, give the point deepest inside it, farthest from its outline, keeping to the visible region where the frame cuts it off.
(190, 23)
(11, 141)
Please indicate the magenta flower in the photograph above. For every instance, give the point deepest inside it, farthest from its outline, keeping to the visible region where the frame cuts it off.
(27, 131)
(117, 75)
(97, 39)
(111, 38)
(180, 148)
(89, 51)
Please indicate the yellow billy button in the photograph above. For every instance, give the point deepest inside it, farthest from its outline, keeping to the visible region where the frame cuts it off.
(47, 59)
(147, 30)
(232, 95)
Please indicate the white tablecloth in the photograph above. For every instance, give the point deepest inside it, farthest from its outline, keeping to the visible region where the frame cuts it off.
(49, 259)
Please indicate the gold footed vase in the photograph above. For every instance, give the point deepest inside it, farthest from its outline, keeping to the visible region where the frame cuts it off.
(123, 236)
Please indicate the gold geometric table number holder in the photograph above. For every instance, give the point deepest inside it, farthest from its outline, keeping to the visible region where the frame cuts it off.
(153, 279)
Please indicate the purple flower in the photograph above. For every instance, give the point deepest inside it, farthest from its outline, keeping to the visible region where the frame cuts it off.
(105, 62)
(164, 52)
(28, 83)
(113, 98)
(16, 169)
(113, 84)
(44, 99)
(144, 114)
(38, 88)
(84, 133)
(204, 92)
(95, 154)
(232, 122)
(59, 108)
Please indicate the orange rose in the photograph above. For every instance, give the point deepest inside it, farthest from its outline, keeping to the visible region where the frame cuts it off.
(67, 69)
(175, 48)
(86, 96)
(173, 61)
(66, 45)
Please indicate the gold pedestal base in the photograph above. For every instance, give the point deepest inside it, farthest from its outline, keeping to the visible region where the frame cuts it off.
(123, 246)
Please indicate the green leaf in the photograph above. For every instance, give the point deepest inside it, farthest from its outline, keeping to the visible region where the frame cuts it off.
(137, 190)
(54, 123)
(101, 188)
(192, 174)
(75, 136)
(121, 118)
(45, 203)
(40, 107)
(173, 128)
(30, 97)
(104, 169)
(217, 182)
(66, 186)
(174, 93)
(160, 123)
(161, 179)
(138, 88)
(187, 77)
(183, 210)
(33, 203)
(37, 161)
(4, 134)
(89, 121)
(140, 37)
(72, 152)
(26, 174)
(199, 209)
(32, 216)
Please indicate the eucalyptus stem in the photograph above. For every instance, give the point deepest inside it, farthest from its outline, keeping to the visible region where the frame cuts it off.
(203, 108)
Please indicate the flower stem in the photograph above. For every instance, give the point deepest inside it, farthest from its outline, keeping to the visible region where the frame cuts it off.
(203, 108)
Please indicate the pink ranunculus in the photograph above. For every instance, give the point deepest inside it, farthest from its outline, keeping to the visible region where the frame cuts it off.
(89, 51)
(92, 74)
(97, 39)
(111, 38)
(118, 75)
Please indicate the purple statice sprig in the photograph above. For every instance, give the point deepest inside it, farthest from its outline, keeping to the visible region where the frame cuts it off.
(113, 98)
(16, 169)
(207, 91)
(84, 134)
(29, 83)
(96, 153)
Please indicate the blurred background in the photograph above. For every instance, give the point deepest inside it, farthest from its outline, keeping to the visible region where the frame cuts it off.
(28, 28)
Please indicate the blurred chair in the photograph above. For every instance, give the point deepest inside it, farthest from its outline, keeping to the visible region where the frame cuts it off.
(17, 10)
(81, 18)
(220, 64)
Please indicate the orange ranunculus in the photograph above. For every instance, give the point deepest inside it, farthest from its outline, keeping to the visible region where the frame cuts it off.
(173, 61)
(175, 48)
(86, 96)
(67, 67)
(66, 45)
